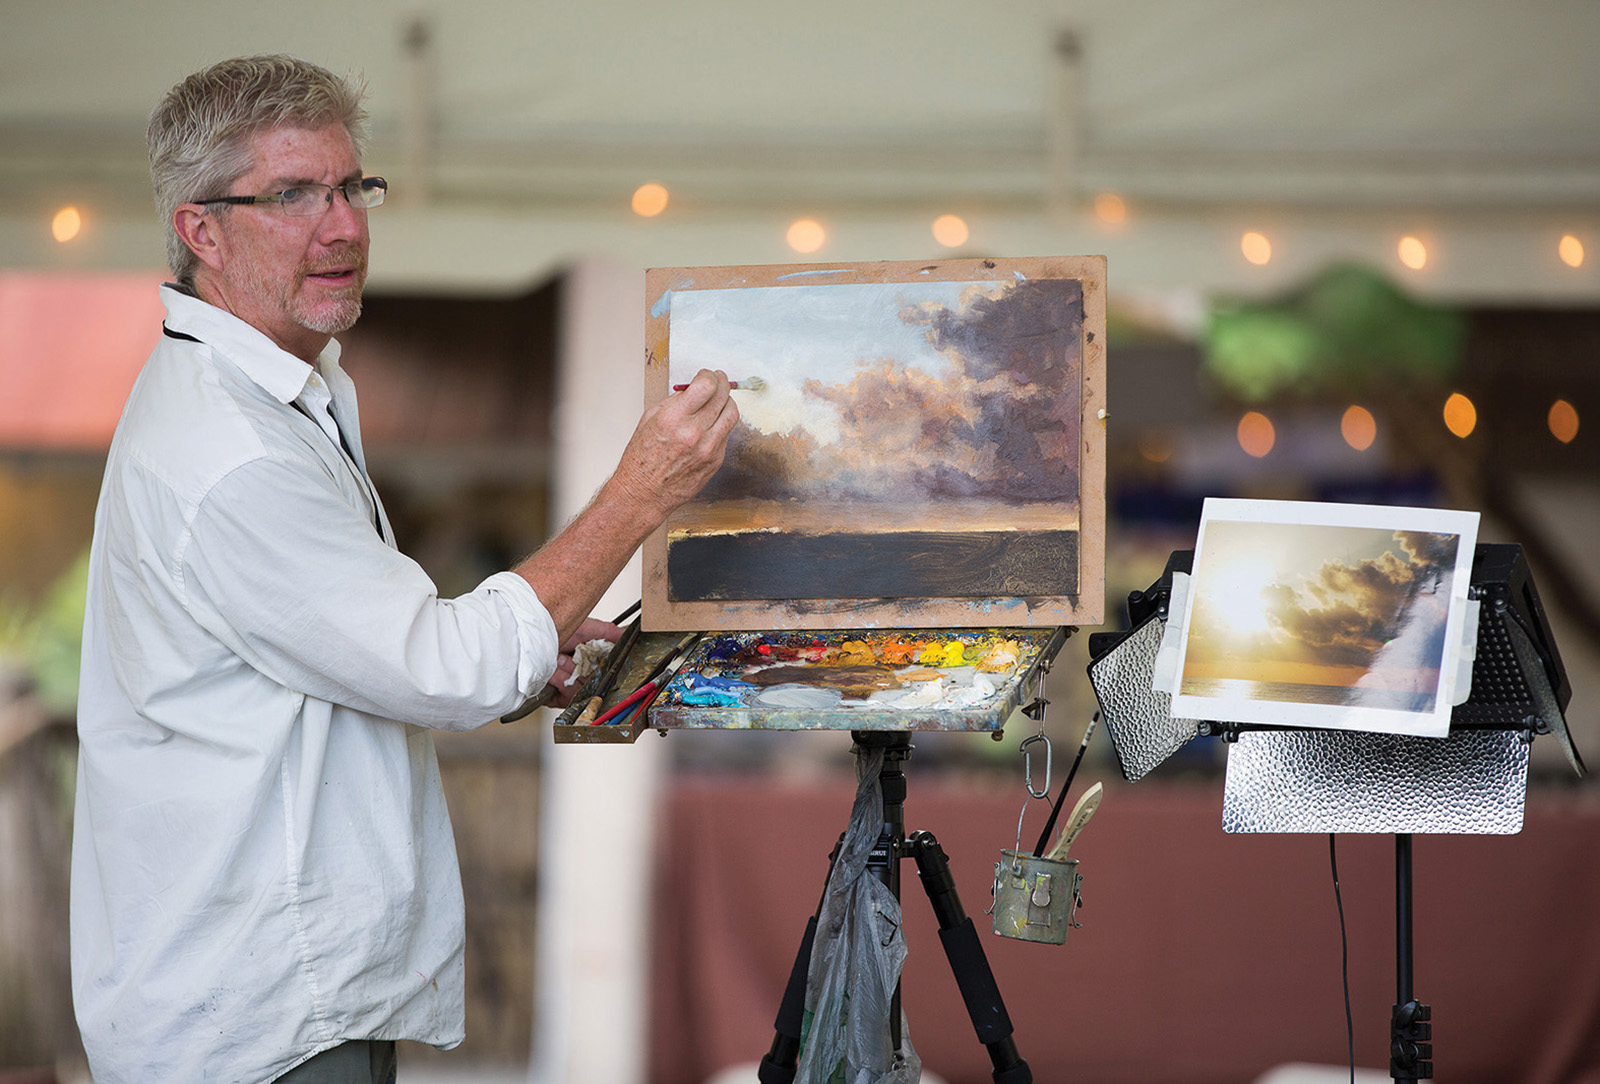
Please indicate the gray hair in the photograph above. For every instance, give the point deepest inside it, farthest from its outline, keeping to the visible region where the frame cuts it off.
(199, 136)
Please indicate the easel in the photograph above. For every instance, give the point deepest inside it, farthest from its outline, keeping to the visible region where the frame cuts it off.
(964, 951)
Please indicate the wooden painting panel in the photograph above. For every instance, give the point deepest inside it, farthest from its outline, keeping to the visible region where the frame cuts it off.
(926, 448)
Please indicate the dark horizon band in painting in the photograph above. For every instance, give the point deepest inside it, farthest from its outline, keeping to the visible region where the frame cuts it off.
(876, 565)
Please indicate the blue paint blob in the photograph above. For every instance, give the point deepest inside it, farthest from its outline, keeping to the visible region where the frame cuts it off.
(706, 691)
(723, 648)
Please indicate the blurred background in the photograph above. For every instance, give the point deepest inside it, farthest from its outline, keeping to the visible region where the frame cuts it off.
(1354, 255)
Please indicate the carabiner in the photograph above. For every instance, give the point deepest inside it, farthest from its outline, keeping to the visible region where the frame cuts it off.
(1027, 766)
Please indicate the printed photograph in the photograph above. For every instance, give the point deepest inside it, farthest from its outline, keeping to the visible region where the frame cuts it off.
(1347, 624)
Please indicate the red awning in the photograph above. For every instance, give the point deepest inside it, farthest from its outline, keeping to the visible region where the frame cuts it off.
(70, 347)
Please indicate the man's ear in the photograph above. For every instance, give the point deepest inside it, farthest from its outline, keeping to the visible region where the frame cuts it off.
(199, 231)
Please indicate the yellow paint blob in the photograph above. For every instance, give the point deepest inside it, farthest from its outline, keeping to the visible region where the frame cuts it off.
(855, 653)
(1000, 657)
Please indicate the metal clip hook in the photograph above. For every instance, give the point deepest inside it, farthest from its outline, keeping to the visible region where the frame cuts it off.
(1027, 766)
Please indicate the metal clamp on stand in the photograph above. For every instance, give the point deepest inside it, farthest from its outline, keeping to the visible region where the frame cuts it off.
(1410, 1051)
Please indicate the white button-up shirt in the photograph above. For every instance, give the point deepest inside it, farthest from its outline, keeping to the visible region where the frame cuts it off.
(262, 861)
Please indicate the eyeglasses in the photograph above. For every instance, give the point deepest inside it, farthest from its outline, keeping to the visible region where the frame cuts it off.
(313, 199)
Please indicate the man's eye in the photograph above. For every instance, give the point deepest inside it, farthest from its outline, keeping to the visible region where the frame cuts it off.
(294, 195)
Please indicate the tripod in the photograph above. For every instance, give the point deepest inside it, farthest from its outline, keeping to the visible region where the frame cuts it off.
(957, 933)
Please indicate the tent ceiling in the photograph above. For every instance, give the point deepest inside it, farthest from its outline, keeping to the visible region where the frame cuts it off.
(1185, 100)
(514, 133)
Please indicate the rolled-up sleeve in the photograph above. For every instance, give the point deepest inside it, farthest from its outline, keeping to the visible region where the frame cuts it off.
(293, 579)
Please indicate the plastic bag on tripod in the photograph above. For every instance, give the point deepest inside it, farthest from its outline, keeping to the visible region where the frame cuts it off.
(856, 960)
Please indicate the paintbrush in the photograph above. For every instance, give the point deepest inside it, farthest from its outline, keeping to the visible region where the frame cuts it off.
(749, 383)
(644, 695)
(608, 675)
(1055, 810)
(1076, 820)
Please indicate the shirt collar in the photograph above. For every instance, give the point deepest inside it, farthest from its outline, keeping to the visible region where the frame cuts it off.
(278, 372)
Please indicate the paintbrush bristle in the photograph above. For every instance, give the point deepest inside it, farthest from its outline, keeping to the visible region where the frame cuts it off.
(750, 383)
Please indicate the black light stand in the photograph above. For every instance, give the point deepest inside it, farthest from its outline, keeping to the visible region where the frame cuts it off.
(1473, 781)
(964, 951)
(1410, 1030)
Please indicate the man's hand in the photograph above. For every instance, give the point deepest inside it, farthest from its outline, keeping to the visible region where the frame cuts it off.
(678, 445)
(590, 629)
(676, 448)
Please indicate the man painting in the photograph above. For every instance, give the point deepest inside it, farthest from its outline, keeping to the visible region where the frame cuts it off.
(264, 880)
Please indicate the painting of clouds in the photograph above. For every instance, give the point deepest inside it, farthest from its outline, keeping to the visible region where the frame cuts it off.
(915, 453)
(1345, 616)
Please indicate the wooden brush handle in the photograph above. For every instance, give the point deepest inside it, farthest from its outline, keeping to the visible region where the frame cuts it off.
(1076, 820)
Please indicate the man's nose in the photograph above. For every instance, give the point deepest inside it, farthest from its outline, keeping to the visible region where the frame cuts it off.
(342, 221)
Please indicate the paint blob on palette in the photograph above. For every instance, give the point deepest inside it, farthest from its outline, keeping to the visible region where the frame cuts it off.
(965, 679)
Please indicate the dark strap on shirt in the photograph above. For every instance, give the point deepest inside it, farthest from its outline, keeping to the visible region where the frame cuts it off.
(169, 333)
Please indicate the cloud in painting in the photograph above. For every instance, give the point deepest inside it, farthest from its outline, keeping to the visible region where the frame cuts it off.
(1345, 613)
(1001, 421)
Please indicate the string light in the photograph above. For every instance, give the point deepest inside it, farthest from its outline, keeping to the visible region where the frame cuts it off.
(950, 231)
(1570, 250)
(1460, 416)
(1155, 447)
(1256, 434)
(806, 235)
(649, 200)
(1359, 428)
(1413, 253)
(1110, 209)
(1256, 248)
(1563, 421)
(66, 225)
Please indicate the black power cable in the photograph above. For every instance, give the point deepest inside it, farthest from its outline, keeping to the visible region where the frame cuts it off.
(1344, 955)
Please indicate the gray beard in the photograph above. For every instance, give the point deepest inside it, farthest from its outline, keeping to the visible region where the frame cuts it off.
(341, 317)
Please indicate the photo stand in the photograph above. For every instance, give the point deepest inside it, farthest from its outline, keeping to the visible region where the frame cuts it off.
(1279, 779)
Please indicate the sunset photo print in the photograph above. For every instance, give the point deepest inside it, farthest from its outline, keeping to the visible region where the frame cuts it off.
(1325, 615)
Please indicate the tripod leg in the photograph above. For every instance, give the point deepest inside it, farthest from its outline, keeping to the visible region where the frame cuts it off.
(985, 1006)
(782, 1060)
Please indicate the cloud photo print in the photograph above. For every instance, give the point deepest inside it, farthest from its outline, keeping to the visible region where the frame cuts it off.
(1350, 619)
